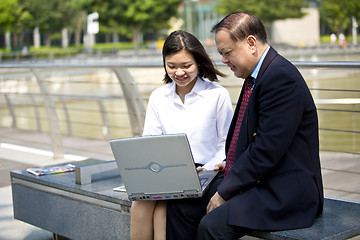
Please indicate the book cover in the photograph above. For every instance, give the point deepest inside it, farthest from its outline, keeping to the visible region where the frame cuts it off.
(51, 170)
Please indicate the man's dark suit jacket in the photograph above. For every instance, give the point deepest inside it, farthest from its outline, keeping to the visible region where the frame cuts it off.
(275, 182)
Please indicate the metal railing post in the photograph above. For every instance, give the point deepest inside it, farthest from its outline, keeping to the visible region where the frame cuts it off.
(105, 120)
(353, 126)
(67, 117)
(12, 112)
(54, 128)
(36, 111)
(133, 100)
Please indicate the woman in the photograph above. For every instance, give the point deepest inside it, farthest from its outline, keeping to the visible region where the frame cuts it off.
(186, 104)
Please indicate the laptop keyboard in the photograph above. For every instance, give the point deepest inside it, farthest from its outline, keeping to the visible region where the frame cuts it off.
(203, 181)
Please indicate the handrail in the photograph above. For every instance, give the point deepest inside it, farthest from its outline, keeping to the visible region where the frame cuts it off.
(302, 64)
(334, 64)
(82, 65)
(131, 95)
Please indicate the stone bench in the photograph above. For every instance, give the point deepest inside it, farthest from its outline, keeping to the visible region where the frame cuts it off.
(340, 220)
(58, 204)
(67, 207)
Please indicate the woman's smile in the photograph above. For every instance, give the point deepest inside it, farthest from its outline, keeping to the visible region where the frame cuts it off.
(182, 69)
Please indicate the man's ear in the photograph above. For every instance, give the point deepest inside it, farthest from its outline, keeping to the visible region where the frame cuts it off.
(251, 41)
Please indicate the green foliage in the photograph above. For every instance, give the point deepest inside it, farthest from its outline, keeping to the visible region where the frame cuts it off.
(123, 16)
(51, 52)
(266, 10)
(126, 17)
(117, 46)
(337, 14)
(9, 11)
(49, 16)
(130, 17)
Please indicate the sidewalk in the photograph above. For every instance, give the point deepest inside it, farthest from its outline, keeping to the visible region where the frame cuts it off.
(20, 149)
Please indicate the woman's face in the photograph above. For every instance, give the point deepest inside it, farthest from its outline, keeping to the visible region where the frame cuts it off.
(182, 69)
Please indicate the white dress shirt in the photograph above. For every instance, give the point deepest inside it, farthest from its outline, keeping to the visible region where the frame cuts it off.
(205, 117)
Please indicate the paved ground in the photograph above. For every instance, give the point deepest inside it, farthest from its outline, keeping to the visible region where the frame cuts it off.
(341, 173)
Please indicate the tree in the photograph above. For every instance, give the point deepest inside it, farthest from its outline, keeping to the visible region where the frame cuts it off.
(13, 17)
(8, 13)
(337, 14)
(126, 17)
(266, 10)
(7, 17)
(77, 10)
(40, 15)
(133, 17)
(110, 17)
(49, 16)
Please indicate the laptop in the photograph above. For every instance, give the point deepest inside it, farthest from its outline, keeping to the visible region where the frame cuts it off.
(159, 168)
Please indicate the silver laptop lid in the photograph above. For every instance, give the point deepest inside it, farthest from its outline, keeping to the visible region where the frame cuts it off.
(156, 164)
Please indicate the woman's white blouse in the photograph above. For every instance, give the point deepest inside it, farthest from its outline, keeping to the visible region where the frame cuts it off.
(205, 117)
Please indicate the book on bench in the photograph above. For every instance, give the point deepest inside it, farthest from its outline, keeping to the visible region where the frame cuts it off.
(51, 170)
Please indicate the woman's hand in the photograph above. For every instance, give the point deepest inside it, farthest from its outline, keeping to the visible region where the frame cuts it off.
(200, 169)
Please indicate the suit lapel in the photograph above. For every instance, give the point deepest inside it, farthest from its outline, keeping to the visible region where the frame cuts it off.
(269, 57)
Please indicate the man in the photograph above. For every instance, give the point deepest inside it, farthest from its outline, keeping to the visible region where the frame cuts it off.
(272, 173)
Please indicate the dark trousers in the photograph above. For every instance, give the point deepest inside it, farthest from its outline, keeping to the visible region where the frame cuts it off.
(214, 226)
(184, 216)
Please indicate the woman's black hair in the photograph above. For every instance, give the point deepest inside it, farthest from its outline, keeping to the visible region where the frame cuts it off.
(181, 40)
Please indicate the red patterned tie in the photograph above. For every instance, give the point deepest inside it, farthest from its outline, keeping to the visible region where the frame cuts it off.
(244, 102)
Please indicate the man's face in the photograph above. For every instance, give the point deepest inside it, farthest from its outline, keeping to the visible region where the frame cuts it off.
(237, 55)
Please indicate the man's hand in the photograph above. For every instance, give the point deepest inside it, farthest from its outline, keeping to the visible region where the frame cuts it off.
(220, 167)
(215, 201)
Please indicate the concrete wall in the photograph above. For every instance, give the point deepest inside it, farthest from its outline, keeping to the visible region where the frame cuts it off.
(298, 31)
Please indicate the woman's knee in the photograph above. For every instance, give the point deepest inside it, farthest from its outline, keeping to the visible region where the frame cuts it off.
(160, 210)
(143, 208)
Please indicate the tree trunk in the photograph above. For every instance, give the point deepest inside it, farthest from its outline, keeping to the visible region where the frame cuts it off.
(7, 40)
(115, 38)
(137, 37)
(36, 38)
(64, 38)
(77, 37)
(48, 41)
